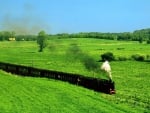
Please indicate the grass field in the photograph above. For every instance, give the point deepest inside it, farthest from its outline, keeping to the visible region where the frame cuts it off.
(36, 95)
(132, 78)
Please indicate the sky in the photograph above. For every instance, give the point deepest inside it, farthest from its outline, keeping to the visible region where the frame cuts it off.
(73, 16)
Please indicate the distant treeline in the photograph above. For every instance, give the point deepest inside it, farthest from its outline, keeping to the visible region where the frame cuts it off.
(138, 35)
(11, 36)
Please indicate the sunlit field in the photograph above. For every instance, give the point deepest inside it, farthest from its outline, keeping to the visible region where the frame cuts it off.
(131, 77)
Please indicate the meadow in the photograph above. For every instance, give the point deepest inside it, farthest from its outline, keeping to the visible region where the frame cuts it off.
(131, 77)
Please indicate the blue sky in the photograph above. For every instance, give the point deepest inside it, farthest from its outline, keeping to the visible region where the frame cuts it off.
(72, 16)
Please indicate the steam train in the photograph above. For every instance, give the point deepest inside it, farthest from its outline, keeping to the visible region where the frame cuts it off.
(99, 85)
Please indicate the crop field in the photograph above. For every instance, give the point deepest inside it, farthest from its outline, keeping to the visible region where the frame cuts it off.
(131, 77)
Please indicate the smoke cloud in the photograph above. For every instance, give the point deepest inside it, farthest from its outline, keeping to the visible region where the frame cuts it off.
(88, 62)
(26, 23)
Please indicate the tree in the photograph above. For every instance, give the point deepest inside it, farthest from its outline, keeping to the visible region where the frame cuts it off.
(42, 40)
(5, 35)
(1, 36)
(108, 56)
(148, 41)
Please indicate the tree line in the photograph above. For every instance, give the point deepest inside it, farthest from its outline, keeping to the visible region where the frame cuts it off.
(8, 35)
(137, 35)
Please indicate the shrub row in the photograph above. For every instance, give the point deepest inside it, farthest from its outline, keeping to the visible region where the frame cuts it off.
(137, 57)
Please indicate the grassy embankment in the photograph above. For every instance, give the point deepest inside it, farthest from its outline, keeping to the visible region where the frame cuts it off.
(36, 95)
(131, 77)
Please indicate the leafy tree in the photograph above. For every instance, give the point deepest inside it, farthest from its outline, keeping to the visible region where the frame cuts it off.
(108, 56)
(148, 41)
(42, 40)
(5, 35)
(140, 40)
(1, 36)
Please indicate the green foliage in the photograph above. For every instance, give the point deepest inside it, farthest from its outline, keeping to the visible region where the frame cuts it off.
(140, 40)
(148, 42)
(5, 35)
(138, 57)
(26, 37)
(42, 40)
(108, 56)
(122, 58)
(124, 36)
(148, 57)
(137, 35)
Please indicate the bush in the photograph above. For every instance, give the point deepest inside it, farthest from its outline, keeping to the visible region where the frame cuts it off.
(108, 56)
(121, 58)
(148, 57)
(148, 41)
(138, 57)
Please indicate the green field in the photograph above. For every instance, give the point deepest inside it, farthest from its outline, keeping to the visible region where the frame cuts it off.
(36, 95)
(131, 78)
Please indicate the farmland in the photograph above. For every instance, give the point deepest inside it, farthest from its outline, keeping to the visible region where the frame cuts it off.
(131, 77)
